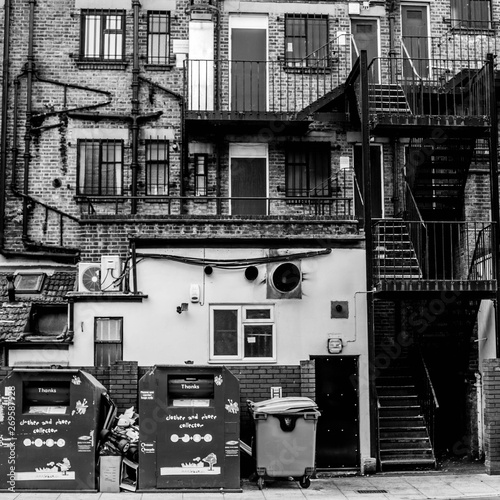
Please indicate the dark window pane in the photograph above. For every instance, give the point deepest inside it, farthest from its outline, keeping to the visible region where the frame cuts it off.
(258, 340)
(258, 314)
(226, 332)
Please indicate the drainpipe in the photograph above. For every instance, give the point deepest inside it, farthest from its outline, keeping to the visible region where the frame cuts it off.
(135, 107)
(3, 133)
(365, 148)
(29, 113)
(392, 50)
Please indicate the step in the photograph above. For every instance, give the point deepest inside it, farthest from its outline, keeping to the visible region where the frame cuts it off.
(401, 422)
(399, 411)
(398, 400)
(414, 462)
(405, 443)
(408, 432)
(393, 380)
(407, 454)
(397, 390)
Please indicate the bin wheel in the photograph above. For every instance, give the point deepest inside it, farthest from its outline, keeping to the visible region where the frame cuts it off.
(260, 483)
(305, 482)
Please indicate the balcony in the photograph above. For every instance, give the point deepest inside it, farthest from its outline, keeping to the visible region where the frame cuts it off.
(207, 208)
(257, 91)
(418, 256)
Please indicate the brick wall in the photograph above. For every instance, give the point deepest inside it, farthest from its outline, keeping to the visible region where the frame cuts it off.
(491, 394)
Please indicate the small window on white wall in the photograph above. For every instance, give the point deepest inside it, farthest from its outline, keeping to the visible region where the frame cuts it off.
(242, 333)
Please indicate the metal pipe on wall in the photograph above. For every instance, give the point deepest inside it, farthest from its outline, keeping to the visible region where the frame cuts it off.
(3, 133)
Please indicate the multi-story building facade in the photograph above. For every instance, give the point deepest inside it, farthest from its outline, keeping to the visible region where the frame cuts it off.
(297, 190)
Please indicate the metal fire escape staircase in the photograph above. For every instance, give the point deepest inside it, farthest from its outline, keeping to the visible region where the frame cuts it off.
(437, 172)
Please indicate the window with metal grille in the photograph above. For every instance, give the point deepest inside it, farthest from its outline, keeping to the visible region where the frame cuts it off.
(306, 40)
(102, 35)
(471, 14)
(307, 170)
(108, 341)
(157, 168)
(100, 167)
(200, 174)
(242, 333)
(158, 37)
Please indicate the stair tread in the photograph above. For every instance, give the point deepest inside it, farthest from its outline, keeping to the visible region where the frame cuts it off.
(409, 460)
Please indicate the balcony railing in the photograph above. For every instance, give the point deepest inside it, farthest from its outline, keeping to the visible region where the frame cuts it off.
(429, 87)
(207, 207)
(443, 252)
(259, 86)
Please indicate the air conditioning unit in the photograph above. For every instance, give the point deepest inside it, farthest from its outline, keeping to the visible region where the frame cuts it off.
(284, 280)
(111, 273)
(89, 277)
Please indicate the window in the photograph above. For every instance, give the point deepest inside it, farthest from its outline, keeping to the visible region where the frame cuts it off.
(200, 175)
(103, 35)
(308, 170)
(306, 40)
(100, 166)
(29, 283)
(242, 333)
(157, 171)
(158, 37)
(472, 14)
(108, 341)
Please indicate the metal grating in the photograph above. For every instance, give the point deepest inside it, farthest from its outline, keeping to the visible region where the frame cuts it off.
(371, 491)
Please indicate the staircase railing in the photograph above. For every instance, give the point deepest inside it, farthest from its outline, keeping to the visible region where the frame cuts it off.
(427, 397)
(481, 266)
(417, 230)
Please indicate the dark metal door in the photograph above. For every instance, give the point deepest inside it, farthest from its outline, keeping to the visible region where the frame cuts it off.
(365, 34)
(248, 180)
(337, 398)
(376, 182)
(416, 41)
(248, 70)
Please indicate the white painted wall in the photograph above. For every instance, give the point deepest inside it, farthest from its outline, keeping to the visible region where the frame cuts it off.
(154, 333)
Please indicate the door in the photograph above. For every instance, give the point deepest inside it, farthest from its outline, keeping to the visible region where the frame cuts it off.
(248, 179)
(416, 41)
(365, 37)
(377, 193)
(248, 64)
(337, 435)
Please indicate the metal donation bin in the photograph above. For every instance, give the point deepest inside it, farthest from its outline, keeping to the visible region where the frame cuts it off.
(189, 428)
(49, 423)
(285, 438)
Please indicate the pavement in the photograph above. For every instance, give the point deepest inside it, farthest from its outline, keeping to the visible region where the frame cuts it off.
(381, 486)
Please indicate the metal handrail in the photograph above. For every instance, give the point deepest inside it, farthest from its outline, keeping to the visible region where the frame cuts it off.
(410, 60)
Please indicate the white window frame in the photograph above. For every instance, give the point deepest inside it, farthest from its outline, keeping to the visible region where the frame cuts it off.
(241, 322)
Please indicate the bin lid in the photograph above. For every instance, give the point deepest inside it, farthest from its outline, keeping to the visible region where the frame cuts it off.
(284, 405)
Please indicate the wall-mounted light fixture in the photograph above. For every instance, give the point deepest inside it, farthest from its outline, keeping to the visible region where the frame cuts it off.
(183, 307)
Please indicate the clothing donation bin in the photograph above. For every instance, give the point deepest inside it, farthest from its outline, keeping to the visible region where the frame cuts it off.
(189, 428)
(285, 438)
(49, 423)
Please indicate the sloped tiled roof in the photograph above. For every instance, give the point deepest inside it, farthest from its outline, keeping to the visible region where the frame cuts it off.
(54, 289)
(14, 318)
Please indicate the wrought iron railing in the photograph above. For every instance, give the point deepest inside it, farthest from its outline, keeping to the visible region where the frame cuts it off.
(430, 87)
(443, 252)
(426, 394)
(482, 259)
(259, 208)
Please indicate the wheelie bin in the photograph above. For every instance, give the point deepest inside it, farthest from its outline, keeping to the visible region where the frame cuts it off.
(285, 438)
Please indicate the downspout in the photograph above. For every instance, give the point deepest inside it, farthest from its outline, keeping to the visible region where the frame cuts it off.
(392, 50)
(3, 133)
(367, 186)
(29, 113)
(135, 108)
